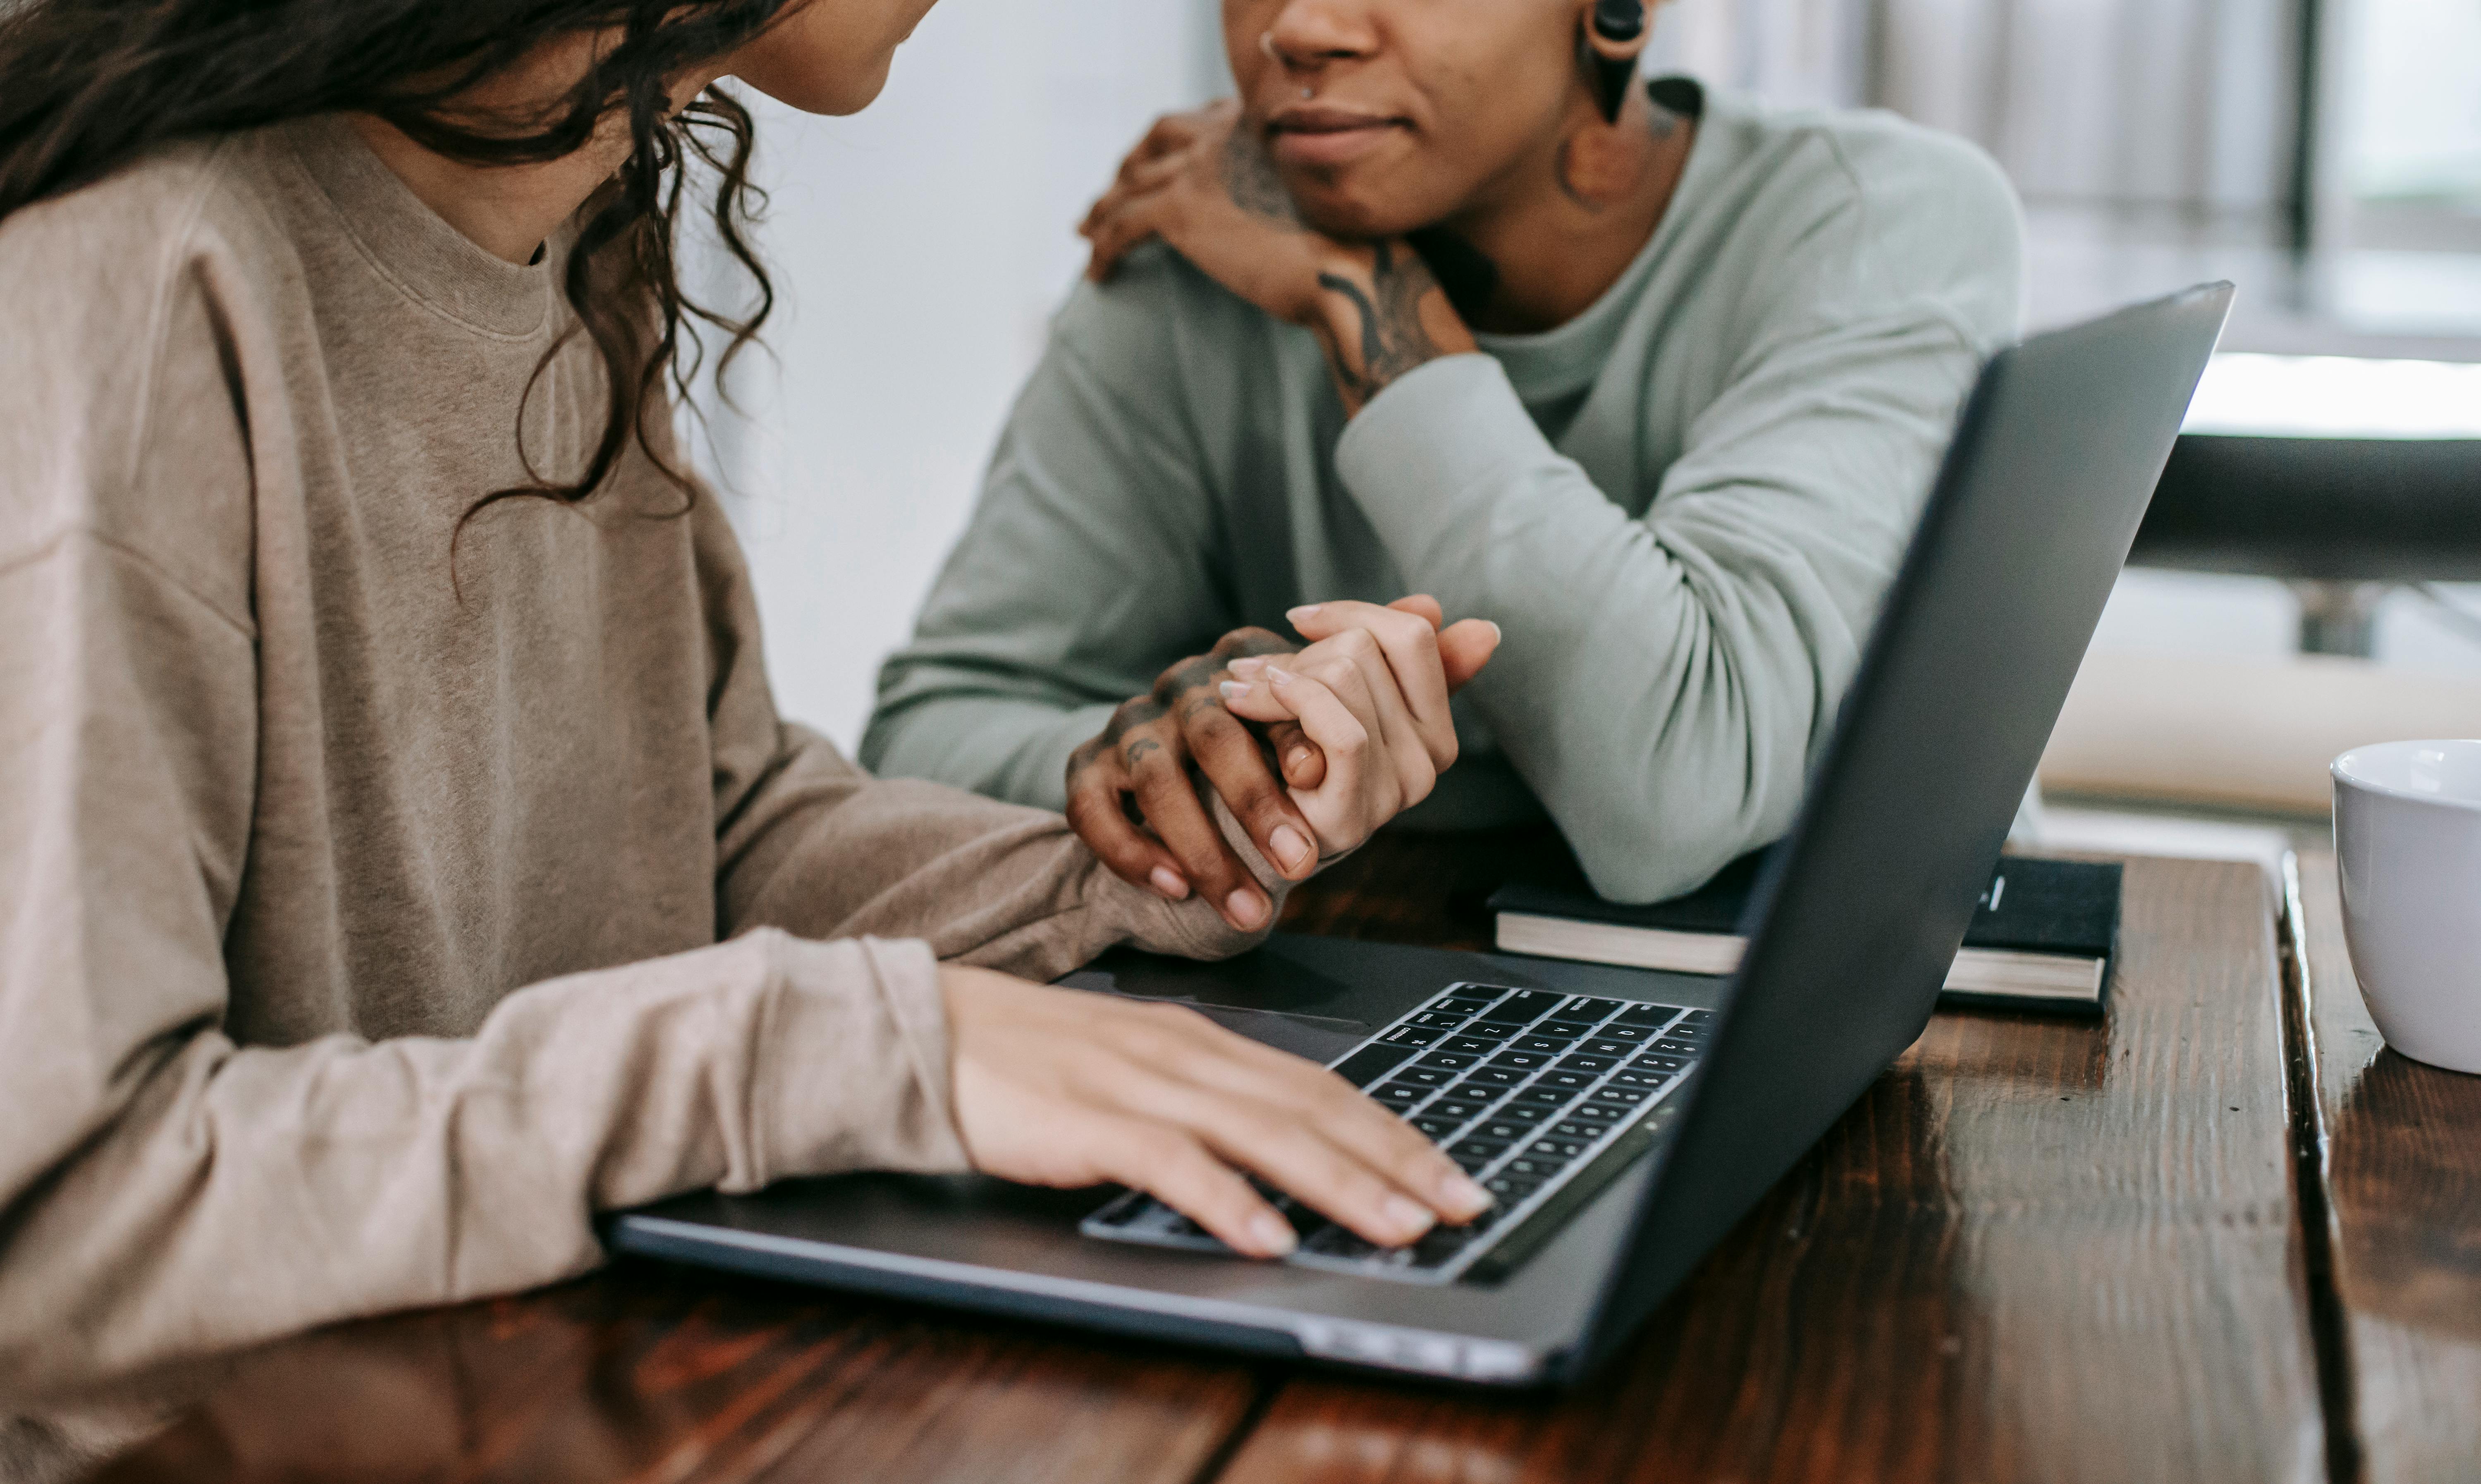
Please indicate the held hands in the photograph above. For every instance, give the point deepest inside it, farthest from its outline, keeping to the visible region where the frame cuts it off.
(1055, 1087)
(1358, 722)
(1203, 184)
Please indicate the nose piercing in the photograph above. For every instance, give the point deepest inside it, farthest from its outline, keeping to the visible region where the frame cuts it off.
(1266, 44)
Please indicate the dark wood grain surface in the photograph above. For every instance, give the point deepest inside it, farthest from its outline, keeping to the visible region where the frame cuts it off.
(2036, 1250)
(2399, 1147)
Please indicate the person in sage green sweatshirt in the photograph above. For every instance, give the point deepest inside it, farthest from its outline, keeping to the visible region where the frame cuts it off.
(1662, 397)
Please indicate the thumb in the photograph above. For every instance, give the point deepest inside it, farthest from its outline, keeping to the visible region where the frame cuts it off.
(1465, 647)
(1423, 604)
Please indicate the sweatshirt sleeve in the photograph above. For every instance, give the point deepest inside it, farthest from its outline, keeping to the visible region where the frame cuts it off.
(814, 844)
(1090, 560)
(1666, 679)
(166, 1191)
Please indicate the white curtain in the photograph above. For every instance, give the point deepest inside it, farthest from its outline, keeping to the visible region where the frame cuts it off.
(2184, 107)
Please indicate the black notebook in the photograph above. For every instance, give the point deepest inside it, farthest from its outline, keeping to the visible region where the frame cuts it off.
(2043, 938)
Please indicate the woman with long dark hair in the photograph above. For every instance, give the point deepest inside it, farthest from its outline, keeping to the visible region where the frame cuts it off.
(401, 856)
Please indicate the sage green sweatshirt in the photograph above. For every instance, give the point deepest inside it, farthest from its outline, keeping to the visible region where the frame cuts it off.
(1683, 507)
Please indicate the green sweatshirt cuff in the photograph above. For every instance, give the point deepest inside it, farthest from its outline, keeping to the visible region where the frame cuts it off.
(1443, 436)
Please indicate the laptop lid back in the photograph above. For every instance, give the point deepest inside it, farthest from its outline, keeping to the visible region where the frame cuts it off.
(1859, 915)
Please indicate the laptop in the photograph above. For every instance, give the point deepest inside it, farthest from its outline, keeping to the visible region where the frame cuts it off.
(1626, 1119)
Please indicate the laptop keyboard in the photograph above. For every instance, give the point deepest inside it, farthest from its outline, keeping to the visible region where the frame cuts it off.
(1523, 1088)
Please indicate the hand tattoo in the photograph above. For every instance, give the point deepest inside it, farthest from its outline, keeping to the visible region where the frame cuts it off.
(1393, 339)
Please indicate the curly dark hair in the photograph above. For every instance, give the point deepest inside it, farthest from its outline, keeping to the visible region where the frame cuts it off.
(88, 85)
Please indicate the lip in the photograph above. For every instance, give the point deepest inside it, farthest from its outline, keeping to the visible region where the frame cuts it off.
(1324, 135)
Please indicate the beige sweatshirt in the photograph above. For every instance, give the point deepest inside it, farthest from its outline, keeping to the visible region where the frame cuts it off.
(357, 939)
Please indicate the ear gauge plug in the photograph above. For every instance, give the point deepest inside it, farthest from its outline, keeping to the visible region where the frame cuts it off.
(1614, 39)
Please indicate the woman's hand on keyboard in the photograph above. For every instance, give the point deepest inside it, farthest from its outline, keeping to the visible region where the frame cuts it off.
(1058, 1087)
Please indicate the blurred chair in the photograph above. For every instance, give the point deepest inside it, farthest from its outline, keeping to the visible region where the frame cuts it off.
(2251, 736)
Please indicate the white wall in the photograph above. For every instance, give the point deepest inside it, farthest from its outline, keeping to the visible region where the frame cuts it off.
(919, 247)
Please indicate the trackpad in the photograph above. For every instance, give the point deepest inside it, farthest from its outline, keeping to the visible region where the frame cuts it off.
(1321, 1039)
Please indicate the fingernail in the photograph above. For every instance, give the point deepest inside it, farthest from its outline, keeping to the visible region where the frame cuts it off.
(1247, 664)
(1289, 847)
(1494, 632)
(1305, 610)
(1169, 883)
(1279, 676)
(1233, 689)
(1458, 1190)
(1273, 1235)
(1300, 759)
(1407, 1218)
(1248, 909)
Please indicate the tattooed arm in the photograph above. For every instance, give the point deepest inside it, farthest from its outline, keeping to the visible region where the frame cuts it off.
(1203, 184)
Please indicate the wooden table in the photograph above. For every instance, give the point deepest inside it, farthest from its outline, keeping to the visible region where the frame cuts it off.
(2035, 1250)
(2395, 1221)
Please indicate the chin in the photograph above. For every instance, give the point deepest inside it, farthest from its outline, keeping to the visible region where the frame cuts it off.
(1356, 219)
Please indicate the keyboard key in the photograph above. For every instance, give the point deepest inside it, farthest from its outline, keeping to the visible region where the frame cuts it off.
(1480, 1046)
(1615, 1032)
(1494, 1029)
(1402, 1095)
(1449, 1062)
(1546, 1097)
(1604, 1109)
(1586, 1128)
(1475, 1156)
(1562, 1150)
(1627, 1096)
(1442, 1019)
(1452, 1106)
(1676, 1047)
(1530, 1006)
(1335, 1242)
(1582, 1009)
(1411, 1035)
(1441, 1244)
(1371, 1063)
(1701, 1017)
(1424, 1077)
(1571, 1029)
(1434, 1127)
(1507, 1131)
(1655, 1015)
(1510, 1188)
(1564, 1081)
(1599, 1047)
(1642, 1078)
(1494, 1076)
(1462, 1004)
(1534, 1167)
(1542, 1043)
(1593, 1064)
(1481, 1095)
(1516, 1110)
(1521, 1062)
(1657, 1061)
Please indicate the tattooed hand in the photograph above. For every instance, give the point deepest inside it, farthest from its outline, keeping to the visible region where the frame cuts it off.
(1203, 184)
(1371, 747)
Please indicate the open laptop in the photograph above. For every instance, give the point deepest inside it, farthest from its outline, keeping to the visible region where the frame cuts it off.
(1626, 1119)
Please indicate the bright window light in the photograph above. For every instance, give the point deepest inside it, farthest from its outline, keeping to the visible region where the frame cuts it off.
(2336, 396)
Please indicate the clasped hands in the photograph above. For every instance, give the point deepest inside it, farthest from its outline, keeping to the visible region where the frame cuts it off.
(1310, 748)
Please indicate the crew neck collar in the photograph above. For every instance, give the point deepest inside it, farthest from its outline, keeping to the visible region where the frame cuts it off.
(413, 246)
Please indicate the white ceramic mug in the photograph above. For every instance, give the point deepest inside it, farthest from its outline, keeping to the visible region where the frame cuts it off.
(2408, 835)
